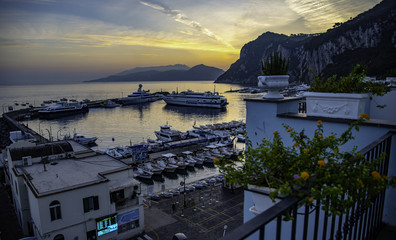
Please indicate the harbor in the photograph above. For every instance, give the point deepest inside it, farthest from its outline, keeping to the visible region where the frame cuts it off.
(121, 127)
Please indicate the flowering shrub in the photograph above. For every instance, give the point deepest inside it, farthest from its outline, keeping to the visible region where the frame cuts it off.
(313, 168)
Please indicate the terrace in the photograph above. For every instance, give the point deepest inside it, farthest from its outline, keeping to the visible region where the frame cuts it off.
(265, 116)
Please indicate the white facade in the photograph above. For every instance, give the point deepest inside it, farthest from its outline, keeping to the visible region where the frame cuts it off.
(69, 197)
(263, 117)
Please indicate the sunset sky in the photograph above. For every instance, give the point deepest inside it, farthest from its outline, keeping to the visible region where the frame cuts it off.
(76, 40)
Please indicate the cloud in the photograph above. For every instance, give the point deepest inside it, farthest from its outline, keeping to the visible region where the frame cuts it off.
(322, 14)
(182, 18)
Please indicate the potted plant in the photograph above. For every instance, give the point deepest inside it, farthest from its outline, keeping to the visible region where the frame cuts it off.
(313, 168)
(345, 97)
(274, 75)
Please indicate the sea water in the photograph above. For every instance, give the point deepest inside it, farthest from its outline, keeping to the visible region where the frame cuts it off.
(131, 124)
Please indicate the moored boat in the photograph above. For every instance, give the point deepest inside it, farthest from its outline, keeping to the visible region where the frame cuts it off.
(82, 139)
(61, 109)
(196, 99)
(140, 96)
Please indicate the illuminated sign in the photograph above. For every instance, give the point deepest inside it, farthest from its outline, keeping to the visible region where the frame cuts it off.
(106, 224)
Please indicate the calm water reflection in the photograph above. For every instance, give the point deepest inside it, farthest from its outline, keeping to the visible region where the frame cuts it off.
(131, 124)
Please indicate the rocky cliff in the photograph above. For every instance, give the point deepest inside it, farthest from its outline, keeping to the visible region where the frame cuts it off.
(369, 39)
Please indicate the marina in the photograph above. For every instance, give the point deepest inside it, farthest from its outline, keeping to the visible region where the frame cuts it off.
(128, 126)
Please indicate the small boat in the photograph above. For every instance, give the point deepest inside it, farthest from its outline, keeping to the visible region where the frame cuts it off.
(109, 104)
(112, 152)
(82, 139)
(124, 152)
(155, 169)
(145, 174)
(179, 164)
(140, 96)
(168, 167)
(189, 159)
(196, 99)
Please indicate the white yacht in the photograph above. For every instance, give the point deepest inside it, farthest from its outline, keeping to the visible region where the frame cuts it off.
(140, 96)
(61, 109)
(196, 99)
(166, 134)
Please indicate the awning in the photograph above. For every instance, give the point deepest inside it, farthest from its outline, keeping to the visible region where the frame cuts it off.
(115, 185)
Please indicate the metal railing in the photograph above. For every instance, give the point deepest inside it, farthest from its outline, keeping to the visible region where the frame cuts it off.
(360, 222)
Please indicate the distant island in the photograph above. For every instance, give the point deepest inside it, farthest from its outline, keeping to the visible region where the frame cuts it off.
(177, 72)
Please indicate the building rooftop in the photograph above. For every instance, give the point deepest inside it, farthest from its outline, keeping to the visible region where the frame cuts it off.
(67, 174)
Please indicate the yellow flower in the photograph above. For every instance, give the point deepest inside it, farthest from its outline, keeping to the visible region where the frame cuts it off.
(305, 150)
(336, 150)
(331, 136)
(289, 130)
(319, 122)
(365, 116)
(386, 178)
(216, 160)
(320, 137)
(304, 175)
(311, 199)
(376, 175)
(275, 133)
(296, 144)
(361, 183)
(309, 69)
(321, 163)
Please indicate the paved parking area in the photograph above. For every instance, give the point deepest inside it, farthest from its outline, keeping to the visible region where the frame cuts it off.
(207, 213)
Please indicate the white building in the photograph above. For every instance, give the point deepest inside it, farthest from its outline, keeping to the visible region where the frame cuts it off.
(62, 190)
(264, 116)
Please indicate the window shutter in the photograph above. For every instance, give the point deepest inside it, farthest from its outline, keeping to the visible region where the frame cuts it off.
(52, 211)
(96, 202)
(86, 204)
(58, 212)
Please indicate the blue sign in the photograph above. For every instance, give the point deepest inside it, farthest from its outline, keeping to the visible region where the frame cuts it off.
(128, 217)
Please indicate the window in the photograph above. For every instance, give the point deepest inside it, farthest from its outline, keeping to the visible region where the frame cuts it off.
(55, 210)
(91, 203)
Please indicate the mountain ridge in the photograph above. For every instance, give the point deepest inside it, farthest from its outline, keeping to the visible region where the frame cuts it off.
(369, 39)
(166, 73)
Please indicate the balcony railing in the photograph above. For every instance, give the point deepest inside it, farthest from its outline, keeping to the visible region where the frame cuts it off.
(360, 221)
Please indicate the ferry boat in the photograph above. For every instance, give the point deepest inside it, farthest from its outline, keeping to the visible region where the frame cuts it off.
(62, 109)
(196, 99)
(140, 96)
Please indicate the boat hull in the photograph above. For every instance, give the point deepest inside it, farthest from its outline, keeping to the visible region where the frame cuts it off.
(189, 103)
(61, 113)
(133, 100)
